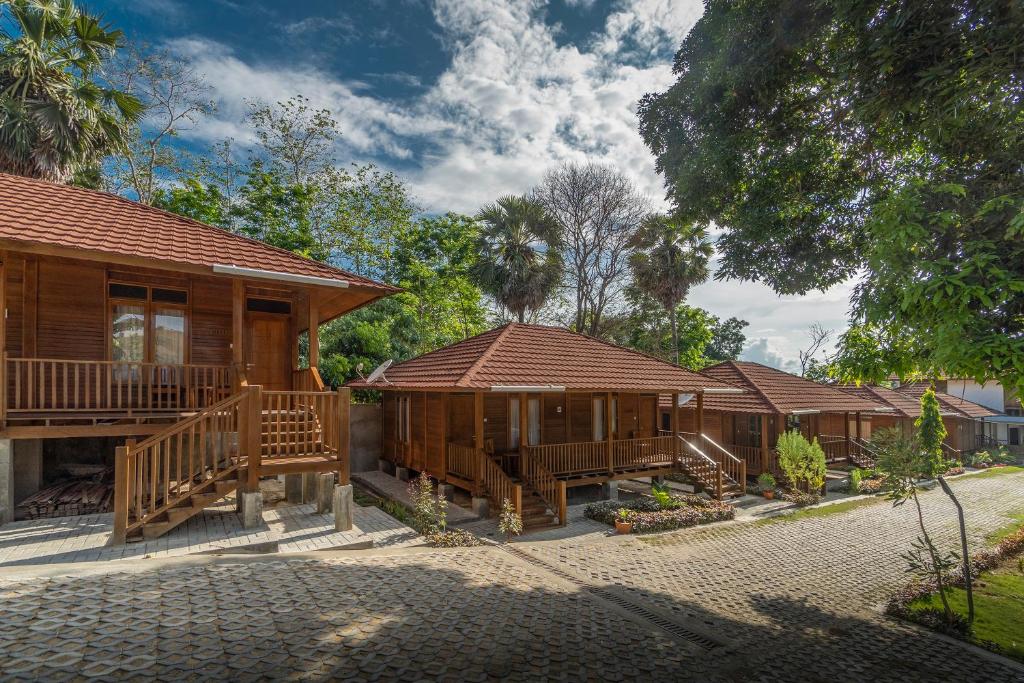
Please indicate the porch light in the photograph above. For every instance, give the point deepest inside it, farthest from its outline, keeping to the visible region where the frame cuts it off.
(527, 388)
(275, 275)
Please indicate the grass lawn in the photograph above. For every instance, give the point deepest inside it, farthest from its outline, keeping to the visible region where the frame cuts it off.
(1003, 532)
(998, 471)
(998, 608)
(823, 511)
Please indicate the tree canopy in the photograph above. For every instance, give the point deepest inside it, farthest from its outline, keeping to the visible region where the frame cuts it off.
(882, 140)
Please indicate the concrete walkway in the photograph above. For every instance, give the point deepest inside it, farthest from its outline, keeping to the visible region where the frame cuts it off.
(286, 528)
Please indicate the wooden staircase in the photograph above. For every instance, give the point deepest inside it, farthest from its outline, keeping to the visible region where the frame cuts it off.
(535, 512)
(722, 478)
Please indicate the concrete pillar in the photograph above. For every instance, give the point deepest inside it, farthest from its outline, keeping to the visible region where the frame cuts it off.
(293, 488)
(6, 481)
(402, 473)
(481, 506)
(385, 466)
(28, 467)
(446, 491)
(252, 509)
(610, 490)
(343, 507)
(309, 487)
(325, 493)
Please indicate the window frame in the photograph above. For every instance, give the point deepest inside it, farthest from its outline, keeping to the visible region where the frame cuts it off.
(149, 308)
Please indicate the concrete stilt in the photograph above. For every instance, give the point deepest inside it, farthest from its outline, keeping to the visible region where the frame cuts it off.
(610, 490)
(309, 487)
(481, 506)
(6, 481)
(343, 507)
(324, 493)
(293, 488)
(252, 509)
(385, 466)
(402, 473)
(446, 491)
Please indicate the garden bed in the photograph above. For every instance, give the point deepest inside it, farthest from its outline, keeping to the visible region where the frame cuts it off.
(998, 600)
(648, 515)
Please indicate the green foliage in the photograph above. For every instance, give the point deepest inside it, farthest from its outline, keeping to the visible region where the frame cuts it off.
(662, 494)
(801, 461)
(510, 523)
(194, 199)
(727, 341)
(766, 482)
(57, 115)
(839, 138)
(856, 477)
(429, 510)
(931, 431)
(519, 263)
(453, 538)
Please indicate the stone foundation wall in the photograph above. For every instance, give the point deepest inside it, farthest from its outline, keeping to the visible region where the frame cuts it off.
(364, 444)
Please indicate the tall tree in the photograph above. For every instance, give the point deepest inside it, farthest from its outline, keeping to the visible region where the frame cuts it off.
(670, 258)
(519, 263)
(727, 339)
(877, 139)
(820, 336)
(57, 116)
(298, 139)
(598, 210)
(931, 432)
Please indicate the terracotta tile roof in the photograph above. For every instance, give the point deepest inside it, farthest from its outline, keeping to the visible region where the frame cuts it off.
(901, 404)
(774, 391)
(39, 212)
(956, 405)
(536, 355)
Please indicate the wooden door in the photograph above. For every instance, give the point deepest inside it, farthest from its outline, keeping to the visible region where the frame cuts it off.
(648, 415)
(268, 352)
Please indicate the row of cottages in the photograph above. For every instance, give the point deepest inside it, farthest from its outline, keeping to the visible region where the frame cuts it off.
(964, 420)
(163, 347)
(748, 424)
(524, 412)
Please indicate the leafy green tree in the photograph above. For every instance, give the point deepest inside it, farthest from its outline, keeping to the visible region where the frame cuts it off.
(202, 202)
(802, 461)
(56, 114)
(838, 138)
(519, 262)
(931, 432)
(275, 212)
(728, 340)
(670, 258)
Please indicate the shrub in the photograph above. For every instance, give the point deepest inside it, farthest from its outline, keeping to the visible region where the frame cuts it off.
(429, 511)
(510, 523)
(766, 482)
(871, 486)
(979, 459)
(856, 477)
(453, 538)
(647, 516)
(802, 499)
(663, 496)
(802, 462)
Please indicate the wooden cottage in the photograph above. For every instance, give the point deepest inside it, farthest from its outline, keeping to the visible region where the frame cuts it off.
(749, 424)
(177, 339)
(523, 412)
(963, 419)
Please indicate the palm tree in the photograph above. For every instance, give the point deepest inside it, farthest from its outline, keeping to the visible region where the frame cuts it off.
(519, 263)
(670, 258)
(56, 115)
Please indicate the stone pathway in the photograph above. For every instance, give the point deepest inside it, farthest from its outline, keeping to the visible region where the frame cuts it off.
(793, 600)
(286, 528)
(383, 484)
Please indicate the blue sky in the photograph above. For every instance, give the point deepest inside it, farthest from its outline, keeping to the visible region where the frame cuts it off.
(465, 99)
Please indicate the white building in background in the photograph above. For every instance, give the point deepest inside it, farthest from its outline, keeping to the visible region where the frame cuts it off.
(1006, 429)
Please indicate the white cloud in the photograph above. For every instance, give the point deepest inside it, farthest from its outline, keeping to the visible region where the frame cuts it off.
(512, 103)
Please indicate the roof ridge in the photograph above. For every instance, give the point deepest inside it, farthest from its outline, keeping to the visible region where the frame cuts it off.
(753, 384)
(125, 203)
(488, 352)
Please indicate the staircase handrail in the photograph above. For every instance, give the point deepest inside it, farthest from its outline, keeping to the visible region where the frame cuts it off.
(496, 484)
(551, 489)
(708, 462)
(738, 466)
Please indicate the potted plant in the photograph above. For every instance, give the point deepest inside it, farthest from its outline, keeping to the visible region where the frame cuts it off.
(766, 482)
(624, 521)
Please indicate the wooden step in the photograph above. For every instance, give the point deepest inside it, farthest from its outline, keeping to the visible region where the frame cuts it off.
(190, 507)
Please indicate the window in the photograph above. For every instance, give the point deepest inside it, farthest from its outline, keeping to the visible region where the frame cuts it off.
(615, 416)
(403, 419)
(513, 423)
(268, 306)
(533, 422)
(598, 421)
(754, 428)
(148, 325)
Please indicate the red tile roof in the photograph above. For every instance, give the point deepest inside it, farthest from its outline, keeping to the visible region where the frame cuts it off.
(901, 404)
(39, 212)
(537, 355)
(956, 405)
(774, 391)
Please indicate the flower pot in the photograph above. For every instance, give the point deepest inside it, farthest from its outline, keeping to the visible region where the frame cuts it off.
(769, 494)
(623, 527)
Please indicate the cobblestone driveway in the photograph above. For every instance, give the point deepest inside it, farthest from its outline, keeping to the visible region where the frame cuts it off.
(787, 601)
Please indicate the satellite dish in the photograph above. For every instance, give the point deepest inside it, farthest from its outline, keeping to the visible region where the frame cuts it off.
(684, 399)
(379, 371)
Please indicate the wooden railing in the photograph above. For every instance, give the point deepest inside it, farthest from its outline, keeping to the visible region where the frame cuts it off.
(641, 452)
(862, 452)
(307, 379)
(835, 447)
(45, 385)
(701, 467)
(751, 455)
(462, 461)
(302, 423)
(551, 489)
(733, 467)
(497, 485)
(188, 457)
(572, 458)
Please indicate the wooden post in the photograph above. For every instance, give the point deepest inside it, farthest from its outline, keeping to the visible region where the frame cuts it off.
(121, 495)
(858, 426)
(524, 426)
(314, 331)
(608, 432)
(3, 383)
(29, 315)
(444, 435)
(764, 443)
(344, 439)
(846, 434)
(563, 503)
(253, 437)
(478, 438)
(674, 425)
(700, 414)
(237, 322)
